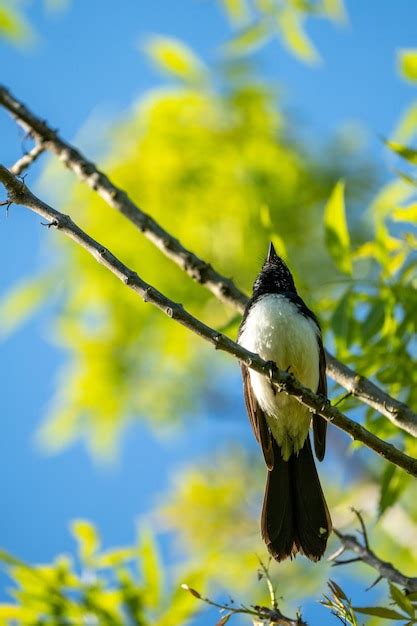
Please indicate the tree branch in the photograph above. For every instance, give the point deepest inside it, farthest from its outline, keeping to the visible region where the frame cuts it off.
(19, 193)
(366, 555)
(261, 615)
(397, 412)
(27, 159)
(221, 286)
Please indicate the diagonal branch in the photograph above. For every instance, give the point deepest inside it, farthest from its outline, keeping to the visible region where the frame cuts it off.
(364, 553)
(221, 286)
(397, 412)
(19, 193)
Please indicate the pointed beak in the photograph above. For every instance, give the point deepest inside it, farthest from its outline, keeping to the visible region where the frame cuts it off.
(271, 253)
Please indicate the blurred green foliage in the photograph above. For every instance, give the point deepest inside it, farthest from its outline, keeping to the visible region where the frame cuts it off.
(15, 27)
(118, 587)
(258, 21)
(13, 24)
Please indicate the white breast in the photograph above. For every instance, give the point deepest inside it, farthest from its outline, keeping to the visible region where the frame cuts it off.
(277, 331)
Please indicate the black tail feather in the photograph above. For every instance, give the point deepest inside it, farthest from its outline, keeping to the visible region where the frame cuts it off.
(295, 517)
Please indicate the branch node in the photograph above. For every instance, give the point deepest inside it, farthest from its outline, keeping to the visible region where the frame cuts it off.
(51, 224)
(376, 581)
(217, 338)
(130, 278)
(146, 294)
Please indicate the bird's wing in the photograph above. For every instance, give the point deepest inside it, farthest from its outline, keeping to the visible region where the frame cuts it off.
(319, 423)
(258, 420)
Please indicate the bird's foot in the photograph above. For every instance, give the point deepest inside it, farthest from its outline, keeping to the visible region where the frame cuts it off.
(272, 368)
(325, 402)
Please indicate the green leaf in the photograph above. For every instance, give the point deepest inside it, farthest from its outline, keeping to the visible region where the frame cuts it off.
(401, 600)
(405, 214)
(337, 590)
(237, 10)
(291, 30)
(380, 611)
(409, 154)
(151, 568)
(412, 596)
(342, 320)
(249, 39)
(22, 302)
(385, 494)
(174, 57)
(407, 178)
(407, 126)
(115, 557)
(334, 10)
(13, 26)
(374, 320)
(87, 538)
(407, 62)
(336, 231)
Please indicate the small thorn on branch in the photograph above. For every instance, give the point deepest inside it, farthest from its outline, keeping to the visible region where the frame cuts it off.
(363, 527)
(376, 581)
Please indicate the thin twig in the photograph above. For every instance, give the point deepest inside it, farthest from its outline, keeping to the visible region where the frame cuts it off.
(262, 613)
(27, 159)
(222, 287)
(363, 527)
(19, 193)
(366, 555)
(271, 589)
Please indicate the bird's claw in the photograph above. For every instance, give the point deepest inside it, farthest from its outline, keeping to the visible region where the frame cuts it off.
(272, 368)
(325, 402)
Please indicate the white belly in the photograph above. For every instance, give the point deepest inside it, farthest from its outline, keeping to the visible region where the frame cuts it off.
(276, 331)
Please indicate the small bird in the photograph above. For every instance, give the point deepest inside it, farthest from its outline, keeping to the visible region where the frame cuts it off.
(279, 327)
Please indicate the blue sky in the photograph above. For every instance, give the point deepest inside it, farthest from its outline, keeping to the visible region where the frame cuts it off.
(87, 60)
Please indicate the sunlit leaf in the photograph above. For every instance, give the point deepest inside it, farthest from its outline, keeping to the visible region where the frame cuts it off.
(380, 611)
(87, 538)
(405, 214)
(336, 229)
(151, 568)
(401, 600)
(293, 36)
(22, 302)
(238, 10)
(13, 25)
(176, 58)
(249, 39)
(409, 154)
(11, 612)
(407, 126)
(115, 557)
(407, 61)
(334, 9)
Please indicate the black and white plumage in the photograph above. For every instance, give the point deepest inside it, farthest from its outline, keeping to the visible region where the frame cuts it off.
(279, 327)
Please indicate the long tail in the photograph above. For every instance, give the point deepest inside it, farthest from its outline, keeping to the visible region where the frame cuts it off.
(295, 517)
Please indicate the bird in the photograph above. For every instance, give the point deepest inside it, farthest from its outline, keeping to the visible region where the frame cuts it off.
(279, 327)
